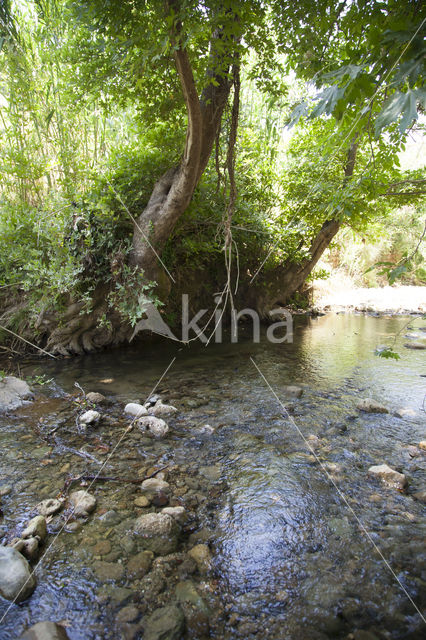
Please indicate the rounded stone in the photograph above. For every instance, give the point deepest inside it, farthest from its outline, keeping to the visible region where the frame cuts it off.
(83, 502)
(158, 531)
(16, 580)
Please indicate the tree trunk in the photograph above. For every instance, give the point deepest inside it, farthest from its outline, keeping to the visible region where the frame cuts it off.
(173, 191)
(288, 278)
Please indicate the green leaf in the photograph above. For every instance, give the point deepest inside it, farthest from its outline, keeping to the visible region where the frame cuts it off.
(398, 104)
(386, 352)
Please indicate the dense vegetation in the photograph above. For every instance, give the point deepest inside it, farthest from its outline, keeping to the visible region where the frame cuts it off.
(102, 102)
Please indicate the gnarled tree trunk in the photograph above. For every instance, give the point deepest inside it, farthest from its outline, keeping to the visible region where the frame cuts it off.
(288, 278)
(173, 191)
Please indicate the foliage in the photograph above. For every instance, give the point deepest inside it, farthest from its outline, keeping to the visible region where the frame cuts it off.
(92, 114)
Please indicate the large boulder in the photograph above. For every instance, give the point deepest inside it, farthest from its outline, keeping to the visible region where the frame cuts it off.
(159, 532)
(388, 476)
(45, 631)
(368, 405)
(12, 393)
(166, 623)
(16, 580)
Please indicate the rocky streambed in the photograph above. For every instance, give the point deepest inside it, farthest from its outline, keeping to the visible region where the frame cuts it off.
(205, 509)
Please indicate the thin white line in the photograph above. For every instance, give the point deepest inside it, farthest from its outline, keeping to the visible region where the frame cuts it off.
(370, 102)
(341, 494)
(119, 198)
(125, 432)
(28, 342)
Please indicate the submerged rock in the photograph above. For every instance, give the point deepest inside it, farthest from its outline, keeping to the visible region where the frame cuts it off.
(415, 345)
(166, 623)
(45, 631)
(16, 580)
(389, 476)
(30, 548)
(158, 531)
(108, 570)
(293, 391)
(12, 393)
(83, 502)
(49, 507)
(178, 513)
(405, 413)
(156, 426)
(153, 486)
(89, 417)
(139, 565)
(420, 495)
(135, 409)
(161, 410)
(95, 398)
(36, 527)
(422, 445)
(201, 554)
(368, 405)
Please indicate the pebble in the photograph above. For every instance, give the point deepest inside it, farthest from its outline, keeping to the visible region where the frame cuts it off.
(368, 405)
(135, 409)
(45, 631)
(139, 565)
(49, 507)
(154, 425)
(128, 614)
(142, 501)
(36, 527)
(389, 476)
(108, 570)
(95, 398)
(89, 417)
(102, 547)
(83, 502)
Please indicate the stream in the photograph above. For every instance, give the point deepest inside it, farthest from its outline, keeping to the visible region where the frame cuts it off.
(290, 556)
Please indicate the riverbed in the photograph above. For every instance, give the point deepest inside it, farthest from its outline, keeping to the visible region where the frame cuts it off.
(304, 542)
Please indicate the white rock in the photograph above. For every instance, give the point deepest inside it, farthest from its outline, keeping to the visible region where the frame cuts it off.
(12, 392)
(178, 513)
(151, 486)
(161, 410)
(388, 475)
(83, 502)
(368, 405)
(16, 580)
(292, 390)
(49, 507)
(422, 445)
(158, 531)
(45, 631)
(134, 409)
(90, 417)
(156, 426)
(36, 527)
(405, 413)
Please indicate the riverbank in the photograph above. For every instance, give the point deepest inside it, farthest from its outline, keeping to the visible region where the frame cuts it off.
(340, 294)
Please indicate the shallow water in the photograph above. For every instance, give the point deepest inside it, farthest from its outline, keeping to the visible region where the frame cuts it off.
(291, 558)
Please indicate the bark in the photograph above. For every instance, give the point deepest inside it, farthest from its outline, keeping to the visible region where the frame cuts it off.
(174, 190)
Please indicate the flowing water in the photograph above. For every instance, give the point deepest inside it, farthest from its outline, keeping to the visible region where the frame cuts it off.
(263, 488)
